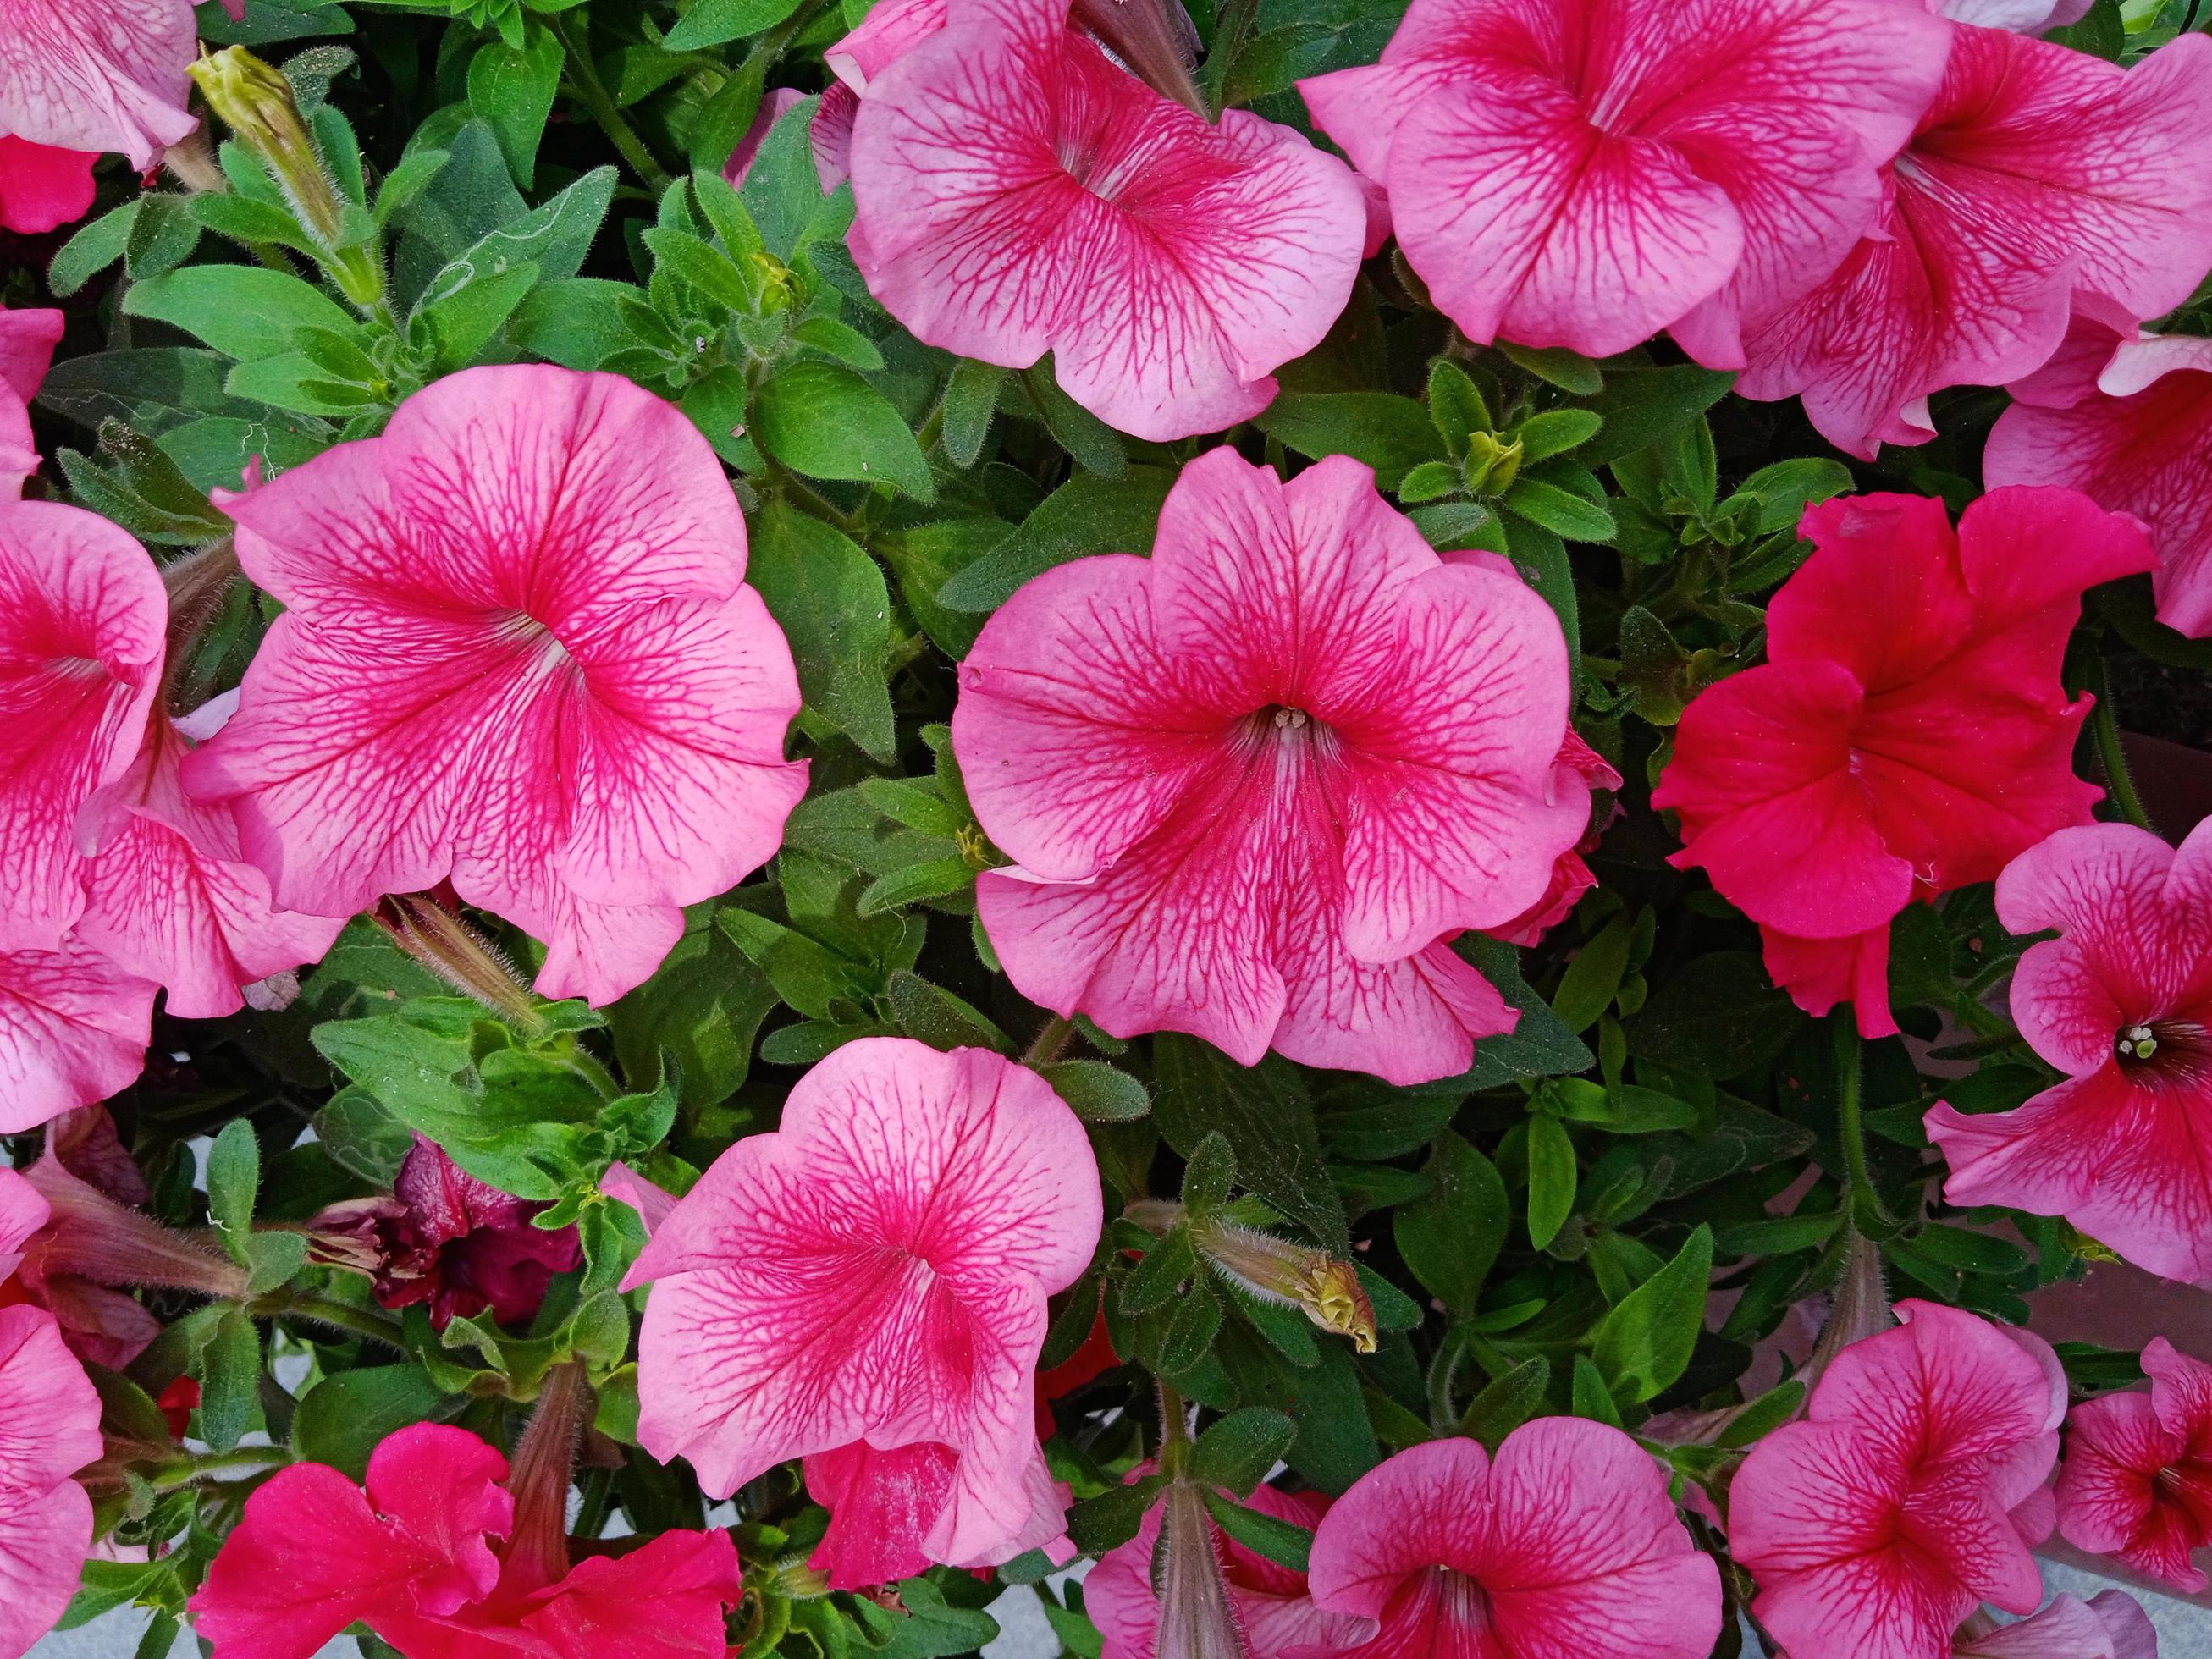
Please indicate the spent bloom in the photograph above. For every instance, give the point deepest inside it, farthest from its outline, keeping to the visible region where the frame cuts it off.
(1564, 1542)
(1908, 733)
(1586, 172)
(2121, 1002)
(1268, 1601)
(517, 651)
(463, 1246)
(430, 1556)
(1253, 783)
(865, 1287)
(49, 1427)
(1017, 193)
(2127, 421)
(2110, 1625)
(2137, 1479)
(2043, 181)
(1909, 1493)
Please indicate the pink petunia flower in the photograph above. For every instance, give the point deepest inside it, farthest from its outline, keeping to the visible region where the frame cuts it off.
(464, 1246)
(43, 188)
(2129, 423)
(28, 338)
(1566, 1542)
(1017, 192)
(82, 618)
(50, 1425)
(1586, 172)
(1254, 781)
(96, 75)
(865, 1288)
(2110, 1625)
(1825, 789)
(517, 651)
(74, 1028)
(1571, 876)
(2042, 179)
(2122, 1003)
(413, 1557)
(169, 895)
(2137, 1479)
(1909, 1493)
(1270, 1602)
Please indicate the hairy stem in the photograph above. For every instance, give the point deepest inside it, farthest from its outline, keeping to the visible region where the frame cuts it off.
(591, 92)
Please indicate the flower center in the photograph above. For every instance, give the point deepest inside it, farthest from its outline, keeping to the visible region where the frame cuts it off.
(1291, 719)
(2168, 1049)
(2137, 1042)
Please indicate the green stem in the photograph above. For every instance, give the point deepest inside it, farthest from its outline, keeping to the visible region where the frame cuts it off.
(598, 1485)
(591, 92)
(1850, 1129)
(1050, 1040)
(299, 1304)
(185, 1471)
(1444, 1373)
(2105, 732)
(1174, 1432)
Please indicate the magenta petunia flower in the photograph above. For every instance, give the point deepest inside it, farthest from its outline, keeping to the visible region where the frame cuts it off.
(865, 1288)
(42, 188)
(1564, 1543)
(2122, 1003)
(1909, 1493)
(2042, 181)
(26, 346)
(1586, 172)
(517, 651)
(1270, 1602)
(96, 75)
(50, 1425)
(2129, 423)
(83, 618)
(168, 893)
(1825, 790)
(413, 1557)
(2110, 1625)
(465, 1247)
(1017, 192)
(2137, 1479)
(1252, 782)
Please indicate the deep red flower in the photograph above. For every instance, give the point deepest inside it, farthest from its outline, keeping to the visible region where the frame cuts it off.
(464, 1246)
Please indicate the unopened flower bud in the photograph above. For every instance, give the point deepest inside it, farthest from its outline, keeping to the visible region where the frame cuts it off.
(1197, 1620)
(1320, 1285)
(1860, 1309)
(460, 956)
(1154, 38)
(1492, 466)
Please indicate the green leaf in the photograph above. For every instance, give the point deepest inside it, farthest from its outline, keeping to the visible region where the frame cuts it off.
(272, 1259)
(1639, 406)
(1111, 1519)
(715, 403)
(1209, 1175)
(1715, 1017)
(359, 1135)
(931, 1014)
(1456, 406)
(1593, 978)
(1554, 432)
(93, 249)
(1086, 515)
(1538, 1045)
(824, 420)
(2102, 33)
(1280, 1541)
(162, 237)
(1776, 1235)
(714, 21)
(1561, 511)
(916, 883)
(717, 278)
(1392, 434)
(1237, 1451)
(1762, 1416)
(404, 182)
(783, 192)
(512, 91)
(230, 1380)
(1096, 446)
(555, 236)
(841, 341)
(971, 397)
(830, 600)
(1558, 366)
(234, 1179)
(1786, 488)
(342, 1419)
(577, 323)
(245, 220)
(1643, 1344)
(1098, 1093)
(1450, 1238)
(918, 807)
(1273, 62)
(462, 323)
(242, 311)
(1551, 1179)
(1507, 1403)
(1430, 480)
(702, 1009)
(294, 380)
(1264, 1113)
(1590, 1396)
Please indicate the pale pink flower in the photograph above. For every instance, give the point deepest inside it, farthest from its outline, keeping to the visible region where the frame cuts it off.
(168, 893)
(2127, 422)
(865, 1287)
(96, 75)
(2122, 1003)
(1908, 733)
(2110, 1625)
(74, 1028)
(26, 346)
(413, 1556)
(41, 187)
(2021, 16)
(890, 31)
(1270, 1602)
(1253, 782)
(518, 651)
(50, 1425)
(1908, 1494)
(1017, 192)
(2137, 1481)
(1586, 172)
(1565, 1543)
(82, 618)
(2042, 181)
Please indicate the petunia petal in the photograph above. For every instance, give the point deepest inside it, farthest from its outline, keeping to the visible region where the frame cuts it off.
(97, 79)
(74, 1028)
